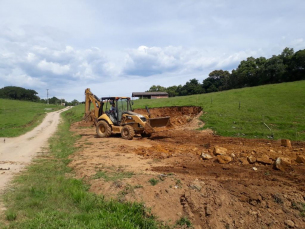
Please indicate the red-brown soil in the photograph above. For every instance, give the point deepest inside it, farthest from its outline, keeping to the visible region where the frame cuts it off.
(212, 195)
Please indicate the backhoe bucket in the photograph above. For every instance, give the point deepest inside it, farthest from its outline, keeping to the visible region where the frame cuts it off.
(158, 122)
(155, 122)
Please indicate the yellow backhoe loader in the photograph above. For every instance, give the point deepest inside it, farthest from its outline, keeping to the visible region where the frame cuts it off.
(114, 115)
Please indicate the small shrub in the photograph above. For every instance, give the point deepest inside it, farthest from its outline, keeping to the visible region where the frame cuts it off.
(153, 181)
(184, 221)
(11, 215)
(179, 183)
(138, 186)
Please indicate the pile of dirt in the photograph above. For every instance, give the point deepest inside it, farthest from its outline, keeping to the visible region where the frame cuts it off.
(216, 182)
(178, 115)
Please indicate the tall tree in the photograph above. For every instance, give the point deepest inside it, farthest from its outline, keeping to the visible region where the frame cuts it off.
(287, 53)
(18, 93)
(217, 79)
(172, 91)
(297, 66)
(274, 70)
(246, 72)
(192, 87)
(54, 100)
(155, 88)
(74, 102)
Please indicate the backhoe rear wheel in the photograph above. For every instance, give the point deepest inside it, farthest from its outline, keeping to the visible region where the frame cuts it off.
(127, 132)
(103, 130)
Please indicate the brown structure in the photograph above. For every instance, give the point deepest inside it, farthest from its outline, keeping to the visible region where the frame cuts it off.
(150, 95)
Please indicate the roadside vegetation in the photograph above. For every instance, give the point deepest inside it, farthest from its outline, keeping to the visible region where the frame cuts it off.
(23, 94)
(47, 196)
(271, 111)
(19, 117)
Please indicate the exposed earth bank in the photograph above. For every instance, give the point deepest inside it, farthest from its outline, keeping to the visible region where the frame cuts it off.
(216, 182)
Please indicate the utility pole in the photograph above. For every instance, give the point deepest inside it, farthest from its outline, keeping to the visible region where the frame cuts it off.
(47, 96)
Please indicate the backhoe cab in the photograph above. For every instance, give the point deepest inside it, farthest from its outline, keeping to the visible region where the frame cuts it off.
(114, 115)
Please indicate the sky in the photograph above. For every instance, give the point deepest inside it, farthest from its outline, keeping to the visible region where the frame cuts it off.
(122, 46)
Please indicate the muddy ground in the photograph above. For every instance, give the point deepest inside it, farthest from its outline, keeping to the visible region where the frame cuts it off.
(243, 184)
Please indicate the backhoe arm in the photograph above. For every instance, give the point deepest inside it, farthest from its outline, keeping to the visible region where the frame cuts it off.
(91, 98)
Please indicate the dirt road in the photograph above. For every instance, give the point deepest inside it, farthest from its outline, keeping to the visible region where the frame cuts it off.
(238, 187)
(16, 153)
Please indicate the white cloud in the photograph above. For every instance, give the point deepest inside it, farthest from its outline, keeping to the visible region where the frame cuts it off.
(18, 78)
(53, 67)
(51, 64)
(146, 61)
(121, 46)
(31, 57)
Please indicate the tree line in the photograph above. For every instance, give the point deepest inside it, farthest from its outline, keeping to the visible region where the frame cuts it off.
(19, 93)
(286, 67)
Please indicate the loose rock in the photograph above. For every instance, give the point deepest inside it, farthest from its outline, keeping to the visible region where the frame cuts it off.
(243, 161)
(206, 156)
(196, 185)
(224, 159)
(220, 150)
(208, 210)
(251, 159)
(300, 159)
(289, 223)
(264, 159)
(282, 163)
(164, 155)
(243, 154)
(286, 143)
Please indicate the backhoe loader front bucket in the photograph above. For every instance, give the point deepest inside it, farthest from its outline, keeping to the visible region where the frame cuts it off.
(158, 122)
(155, 122)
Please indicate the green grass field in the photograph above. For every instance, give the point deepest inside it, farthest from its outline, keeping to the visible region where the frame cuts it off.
(243, 112)
(18, 117)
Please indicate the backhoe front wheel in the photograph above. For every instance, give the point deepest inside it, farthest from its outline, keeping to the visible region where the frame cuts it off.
(103, 130)
(127, 132)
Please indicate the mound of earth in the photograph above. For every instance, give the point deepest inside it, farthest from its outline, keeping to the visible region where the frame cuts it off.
(216, 182)
(178, 115)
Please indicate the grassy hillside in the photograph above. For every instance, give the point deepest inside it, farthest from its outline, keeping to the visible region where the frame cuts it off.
(18, 117)
(243, 112)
